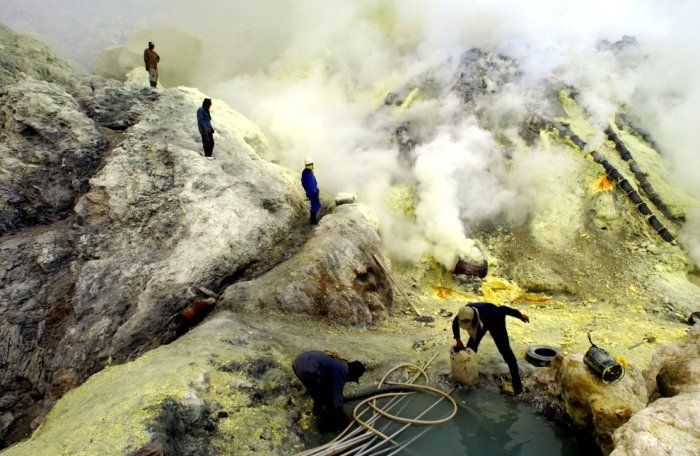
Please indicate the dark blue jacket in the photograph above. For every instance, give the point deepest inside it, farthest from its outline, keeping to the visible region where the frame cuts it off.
(204, 121)
(491, 315)
(308, 181)
(327, 373)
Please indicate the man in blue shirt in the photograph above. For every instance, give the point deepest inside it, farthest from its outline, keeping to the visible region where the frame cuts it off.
(477, 318)
(205, 128)
(324, 375)
(308, 181)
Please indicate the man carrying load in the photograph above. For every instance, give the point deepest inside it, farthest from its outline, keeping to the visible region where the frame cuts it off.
(478, 318)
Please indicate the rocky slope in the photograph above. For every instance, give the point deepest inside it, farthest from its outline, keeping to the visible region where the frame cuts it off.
(112, 220)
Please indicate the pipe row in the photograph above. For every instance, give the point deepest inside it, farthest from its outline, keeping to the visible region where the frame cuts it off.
(615, 175)
(624, 122)
(626, 155)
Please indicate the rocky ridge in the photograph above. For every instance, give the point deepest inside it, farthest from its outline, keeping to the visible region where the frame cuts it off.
(112, 218)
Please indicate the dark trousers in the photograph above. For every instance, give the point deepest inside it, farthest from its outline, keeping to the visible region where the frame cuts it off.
(208, 143)
(315, 207)
(500, 337)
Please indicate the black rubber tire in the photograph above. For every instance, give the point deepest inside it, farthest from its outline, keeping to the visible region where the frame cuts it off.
(541, 355)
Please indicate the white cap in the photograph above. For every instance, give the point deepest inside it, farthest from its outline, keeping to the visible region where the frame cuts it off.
(308, 161)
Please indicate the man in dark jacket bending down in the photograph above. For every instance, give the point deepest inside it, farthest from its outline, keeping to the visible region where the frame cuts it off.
(479, 317)
(324, 376)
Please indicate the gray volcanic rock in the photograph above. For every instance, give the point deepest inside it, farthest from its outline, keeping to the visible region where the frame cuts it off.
(118, 106)
(49, 148)
(160, 218)
(102, 279)
(481, 72)
(333, 274)
(35, 304)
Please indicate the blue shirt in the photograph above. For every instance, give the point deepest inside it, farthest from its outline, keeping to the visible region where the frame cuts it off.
(308, 181)
(204, 121)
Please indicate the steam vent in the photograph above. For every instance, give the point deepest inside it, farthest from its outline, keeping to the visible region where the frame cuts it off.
(351, 227)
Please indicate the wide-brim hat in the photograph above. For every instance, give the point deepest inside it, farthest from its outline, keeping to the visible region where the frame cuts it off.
(465, 320)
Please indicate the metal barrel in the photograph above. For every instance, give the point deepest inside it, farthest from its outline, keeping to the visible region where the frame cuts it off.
(603, 366)
(476, 270)
(345, 198)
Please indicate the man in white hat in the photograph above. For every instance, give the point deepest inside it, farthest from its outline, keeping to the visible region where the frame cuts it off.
(308, 181)
(479, 317)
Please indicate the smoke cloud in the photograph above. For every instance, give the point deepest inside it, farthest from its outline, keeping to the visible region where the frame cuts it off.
(314, 75)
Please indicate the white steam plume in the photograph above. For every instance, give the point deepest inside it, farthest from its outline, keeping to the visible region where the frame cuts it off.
(314, 74)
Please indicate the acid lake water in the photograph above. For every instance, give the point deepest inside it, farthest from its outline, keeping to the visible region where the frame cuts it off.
(488, 424)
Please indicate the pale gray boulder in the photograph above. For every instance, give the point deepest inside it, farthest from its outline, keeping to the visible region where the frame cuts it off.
(669, 426)
(160, 219)
(333, 274)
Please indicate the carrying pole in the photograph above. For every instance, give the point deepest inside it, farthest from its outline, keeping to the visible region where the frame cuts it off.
(396, 285)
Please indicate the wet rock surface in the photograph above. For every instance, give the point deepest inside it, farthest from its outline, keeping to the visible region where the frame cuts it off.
(333, 274)
(569, 392)
(592, 404)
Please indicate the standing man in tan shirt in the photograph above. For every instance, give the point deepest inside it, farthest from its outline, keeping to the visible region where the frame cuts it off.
(151, 59)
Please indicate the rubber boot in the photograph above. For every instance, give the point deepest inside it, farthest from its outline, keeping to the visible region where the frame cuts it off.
(312, 218)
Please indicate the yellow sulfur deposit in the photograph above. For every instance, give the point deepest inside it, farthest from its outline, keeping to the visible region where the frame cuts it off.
(499, 291)
(401, 200)
(413, 94)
